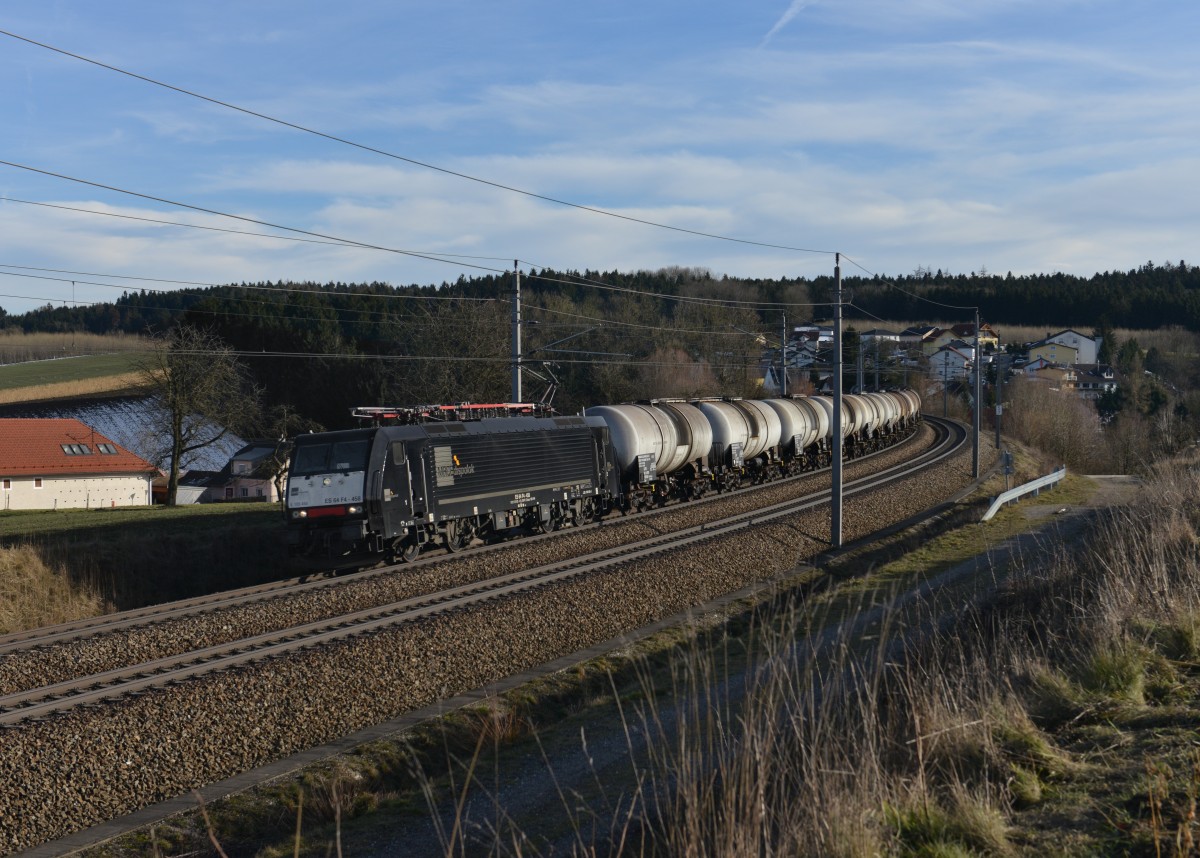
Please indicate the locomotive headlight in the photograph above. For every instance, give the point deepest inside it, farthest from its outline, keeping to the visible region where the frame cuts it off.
(300, 513)
(353, 510)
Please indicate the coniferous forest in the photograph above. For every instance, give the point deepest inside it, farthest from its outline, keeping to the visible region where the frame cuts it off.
(591, 336)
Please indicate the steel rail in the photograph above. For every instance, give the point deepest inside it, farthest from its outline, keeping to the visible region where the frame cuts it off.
(41, 702)
(198, 605)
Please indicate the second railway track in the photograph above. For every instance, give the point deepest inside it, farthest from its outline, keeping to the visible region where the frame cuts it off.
(91, 687)
(58, 655)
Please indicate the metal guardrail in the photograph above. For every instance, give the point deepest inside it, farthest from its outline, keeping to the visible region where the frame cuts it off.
(1031, 487)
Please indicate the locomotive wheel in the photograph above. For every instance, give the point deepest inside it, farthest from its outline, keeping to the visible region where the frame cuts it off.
(408, 550)
(458, 534)
(555, 522)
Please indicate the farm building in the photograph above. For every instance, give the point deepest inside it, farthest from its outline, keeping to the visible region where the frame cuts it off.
(64, 464)
(247, 476)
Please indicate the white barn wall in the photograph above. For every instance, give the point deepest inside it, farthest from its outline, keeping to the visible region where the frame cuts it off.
(77, 492)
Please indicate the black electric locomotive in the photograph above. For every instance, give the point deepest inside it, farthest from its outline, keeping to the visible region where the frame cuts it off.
(392, 490)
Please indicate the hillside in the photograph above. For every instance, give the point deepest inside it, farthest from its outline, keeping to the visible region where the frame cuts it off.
(36, 367)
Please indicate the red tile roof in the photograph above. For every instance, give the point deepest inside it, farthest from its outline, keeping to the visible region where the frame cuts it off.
(33, 447)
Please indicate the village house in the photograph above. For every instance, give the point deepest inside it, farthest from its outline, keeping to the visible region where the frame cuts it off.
(1086, 348)
(915, 336)
(1058, 377)
(1095, 380)
(1053, 351)
(247, 476)
(61, 463)
(947, 363)
(879, 335)
(989, 340)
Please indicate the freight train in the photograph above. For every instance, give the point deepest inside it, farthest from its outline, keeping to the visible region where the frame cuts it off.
(389, 491)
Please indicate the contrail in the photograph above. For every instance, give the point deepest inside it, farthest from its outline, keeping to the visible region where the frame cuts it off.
(792, 11)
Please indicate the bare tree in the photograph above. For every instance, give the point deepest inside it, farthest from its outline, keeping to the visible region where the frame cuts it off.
(202, 392)
(281, 426)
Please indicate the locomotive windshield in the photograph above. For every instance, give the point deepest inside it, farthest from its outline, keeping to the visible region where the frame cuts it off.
(330, 457)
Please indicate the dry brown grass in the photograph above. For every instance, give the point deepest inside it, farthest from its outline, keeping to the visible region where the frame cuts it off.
(72, 389)
(17, 346)
(34, 594)
(931, 735)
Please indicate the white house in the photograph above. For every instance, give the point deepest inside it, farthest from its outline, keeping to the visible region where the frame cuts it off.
(61, 463)
(947, 363)
(1086, 348)
(813, 333)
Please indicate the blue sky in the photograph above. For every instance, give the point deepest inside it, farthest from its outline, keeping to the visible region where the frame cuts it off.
(1011, 135)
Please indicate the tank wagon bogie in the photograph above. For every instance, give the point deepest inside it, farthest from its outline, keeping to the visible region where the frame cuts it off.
(390, 491)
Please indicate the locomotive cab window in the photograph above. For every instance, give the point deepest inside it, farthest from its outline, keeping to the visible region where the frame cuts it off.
(335, 456)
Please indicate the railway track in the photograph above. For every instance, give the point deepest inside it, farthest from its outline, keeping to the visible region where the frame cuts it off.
(92, 626)
(41, 702)
(80, 763)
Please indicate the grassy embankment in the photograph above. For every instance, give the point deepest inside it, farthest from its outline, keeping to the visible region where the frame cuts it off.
(68, 378)
(59, 566)
(1056, 715)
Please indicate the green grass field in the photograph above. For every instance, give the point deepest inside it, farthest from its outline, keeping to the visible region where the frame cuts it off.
(200, 520)
(44, 372)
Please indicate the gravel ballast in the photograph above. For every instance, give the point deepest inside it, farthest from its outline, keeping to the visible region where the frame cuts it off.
(70, 771)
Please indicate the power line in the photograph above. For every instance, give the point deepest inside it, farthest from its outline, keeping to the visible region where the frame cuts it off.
(610, 324)
(899, 288)
(320, 292)
(345, 241)
(272, 289)
(616, 323)
(722, 302)
(499, 359)
(333, 243)
(405, 159)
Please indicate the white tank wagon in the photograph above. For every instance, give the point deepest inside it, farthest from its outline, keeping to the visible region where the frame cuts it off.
(910, 404)
(644, 439)
(887, 409)
(858, 414)
(804, 431)
(662, 448)
(689, 474)
(731, 432)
